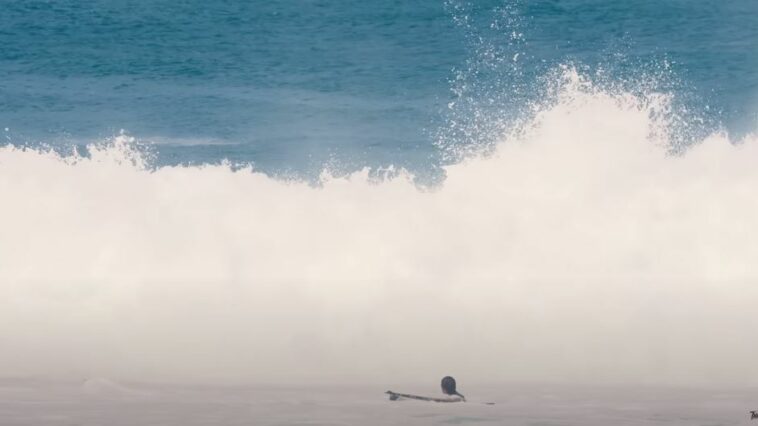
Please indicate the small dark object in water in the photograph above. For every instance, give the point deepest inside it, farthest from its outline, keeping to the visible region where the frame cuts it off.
(753, 415)
(448, 387)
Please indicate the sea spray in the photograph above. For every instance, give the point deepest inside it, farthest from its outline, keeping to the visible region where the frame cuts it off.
(578, 249)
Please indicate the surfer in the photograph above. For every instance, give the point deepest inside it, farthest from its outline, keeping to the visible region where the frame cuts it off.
(448, 387)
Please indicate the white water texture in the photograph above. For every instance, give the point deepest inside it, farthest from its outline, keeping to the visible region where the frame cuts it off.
(578, 250)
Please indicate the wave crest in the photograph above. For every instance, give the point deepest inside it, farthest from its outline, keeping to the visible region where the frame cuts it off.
(582, 247)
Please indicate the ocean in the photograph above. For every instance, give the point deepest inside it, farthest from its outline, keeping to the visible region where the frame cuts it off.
(294, 87)
(314, 198)
(99, 401)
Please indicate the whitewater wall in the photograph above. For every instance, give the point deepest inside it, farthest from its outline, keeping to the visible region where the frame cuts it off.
(579, 249)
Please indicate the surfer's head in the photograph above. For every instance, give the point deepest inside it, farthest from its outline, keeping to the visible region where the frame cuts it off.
(448, 387)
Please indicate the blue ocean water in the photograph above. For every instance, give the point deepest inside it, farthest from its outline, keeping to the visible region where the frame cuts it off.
(295, 86)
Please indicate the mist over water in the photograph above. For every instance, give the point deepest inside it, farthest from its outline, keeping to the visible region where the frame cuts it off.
(578, 249)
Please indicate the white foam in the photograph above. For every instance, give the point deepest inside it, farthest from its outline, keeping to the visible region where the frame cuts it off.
(578, 250)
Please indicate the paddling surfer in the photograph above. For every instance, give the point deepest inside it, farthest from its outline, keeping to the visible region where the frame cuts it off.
(448, 389)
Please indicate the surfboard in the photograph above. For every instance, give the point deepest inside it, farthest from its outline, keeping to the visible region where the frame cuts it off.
(394, 396)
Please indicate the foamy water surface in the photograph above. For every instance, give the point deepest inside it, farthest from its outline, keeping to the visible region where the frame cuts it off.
(580, 250)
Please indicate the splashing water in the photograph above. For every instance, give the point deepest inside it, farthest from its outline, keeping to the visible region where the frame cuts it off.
(579, 249)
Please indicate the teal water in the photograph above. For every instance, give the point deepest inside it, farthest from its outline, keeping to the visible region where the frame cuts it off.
(293, 87)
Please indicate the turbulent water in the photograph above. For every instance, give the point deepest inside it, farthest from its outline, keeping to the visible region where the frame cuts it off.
(577, 250)
(336, 193)
(294, 86)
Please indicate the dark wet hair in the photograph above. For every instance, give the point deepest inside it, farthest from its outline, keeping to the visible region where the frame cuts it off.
(448, 387)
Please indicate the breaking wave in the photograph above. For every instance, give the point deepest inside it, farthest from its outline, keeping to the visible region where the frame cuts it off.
(580, 248)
